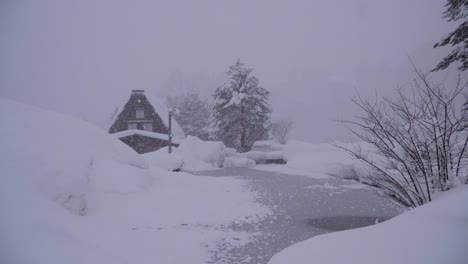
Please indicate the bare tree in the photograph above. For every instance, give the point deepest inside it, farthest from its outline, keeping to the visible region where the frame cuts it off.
(417, 144)
(280, 130)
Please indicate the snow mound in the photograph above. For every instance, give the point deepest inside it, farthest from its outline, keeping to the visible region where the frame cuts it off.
(262, 157)
(434, 233)
(194, 149)
(51, 167)
(238, 162)
(192, 154)
(59, 155)
(311, 160)
(162, 159)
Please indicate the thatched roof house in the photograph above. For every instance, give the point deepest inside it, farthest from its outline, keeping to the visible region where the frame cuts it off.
(142, 123)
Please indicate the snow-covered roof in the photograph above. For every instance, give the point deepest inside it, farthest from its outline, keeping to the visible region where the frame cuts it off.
(160, 108)
(150, 134)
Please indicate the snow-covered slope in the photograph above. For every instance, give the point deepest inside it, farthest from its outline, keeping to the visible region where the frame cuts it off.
(72, 193)
(433, 233)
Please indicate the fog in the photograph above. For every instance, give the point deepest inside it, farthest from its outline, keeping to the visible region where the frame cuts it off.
(83, 57)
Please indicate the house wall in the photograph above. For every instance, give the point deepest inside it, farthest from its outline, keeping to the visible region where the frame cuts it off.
(140, 144)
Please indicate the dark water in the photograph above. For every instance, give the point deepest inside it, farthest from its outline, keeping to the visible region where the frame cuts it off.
(302, 208)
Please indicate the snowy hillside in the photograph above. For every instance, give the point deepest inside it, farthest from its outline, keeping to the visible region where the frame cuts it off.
(71, 193)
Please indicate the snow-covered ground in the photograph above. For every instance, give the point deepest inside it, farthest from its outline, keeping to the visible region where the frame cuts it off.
(302, 207)
(436, 232)
(71, 193)
(312, 160)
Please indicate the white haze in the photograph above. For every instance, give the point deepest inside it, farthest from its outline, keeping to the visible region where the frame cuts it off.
(83, 57)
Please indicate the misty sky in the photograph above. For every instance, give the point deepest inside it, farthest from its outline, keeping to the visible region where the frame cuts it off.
(83, 57)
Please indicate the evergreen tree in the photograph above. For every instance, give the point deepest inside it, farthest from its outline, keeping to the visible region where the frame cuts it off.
(241, 110)
(192, 113)
(456, 10)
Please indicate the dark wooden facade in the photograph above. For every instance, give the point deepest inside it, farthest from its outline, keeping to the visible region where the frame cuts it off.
(142, 144)
(139, 114)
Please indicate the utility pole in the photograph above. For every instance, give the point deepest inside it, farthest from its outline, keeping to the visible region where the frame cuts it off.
(170, 131)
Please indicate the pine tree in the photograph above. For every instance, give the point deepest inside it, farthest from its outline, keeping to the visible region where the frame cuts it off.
(241, 110)
(456, 10)
(192, 113)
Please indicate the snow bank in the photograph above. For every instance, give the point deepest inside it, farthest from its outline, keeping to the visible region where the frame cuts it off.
(238, 162)
(193, 154)
(261, 157)
(72, 193)
(307, 159)
(50, 165)
(162, 159)
(197, 153)
(58, 155)
(150, 134)
(433, 233)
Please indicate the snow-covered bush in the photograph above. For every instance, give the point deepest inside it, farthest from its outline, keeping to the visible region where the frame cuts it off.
(418, 142)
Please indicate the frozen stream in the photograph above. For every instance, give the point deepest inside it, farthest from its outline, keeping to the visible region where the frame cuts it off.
(302, 208)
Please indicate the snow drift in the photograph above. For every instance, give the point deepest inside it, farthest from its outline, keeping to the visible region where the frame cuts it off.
(52, 163)
(58, 155)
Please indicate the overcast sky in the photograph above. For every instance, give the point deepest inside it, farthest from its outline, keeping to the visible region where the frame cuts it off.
(83, 57)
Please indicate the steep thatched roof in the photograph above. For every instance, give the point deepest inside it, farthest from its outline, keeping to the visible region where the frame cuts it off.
(159, 107)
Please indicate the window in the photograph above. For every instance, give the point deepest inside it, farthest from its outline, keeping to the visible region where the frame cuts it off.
(132, 126)
(140, 113)
(148, 126)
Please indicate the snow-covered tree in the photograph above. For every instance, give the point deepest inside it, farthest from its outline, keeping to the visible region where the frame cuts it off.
(241, 110)
(456, 10)
(192, 113)
(280, 130)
